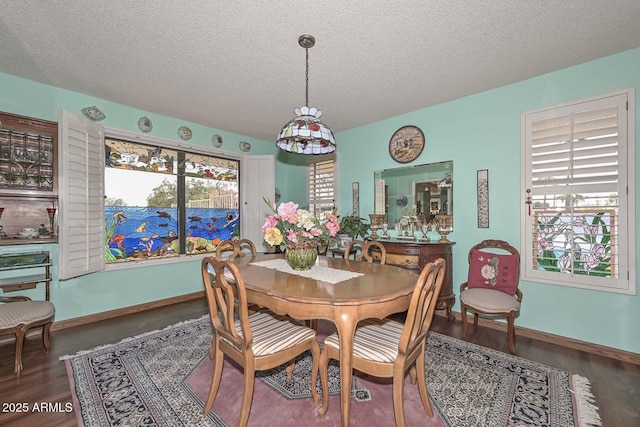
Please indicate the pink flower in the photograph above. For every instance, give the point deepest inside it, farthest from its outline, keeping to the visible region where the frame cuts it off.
(598, 251)
(287, 210)
(269, 222)
(291, 236)
(316, 232)
(591, 261)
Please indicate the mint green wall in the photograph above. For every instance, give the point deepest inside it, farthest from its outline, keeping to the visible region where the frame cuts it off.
(477, 132)
(110, 290)
(483, 132)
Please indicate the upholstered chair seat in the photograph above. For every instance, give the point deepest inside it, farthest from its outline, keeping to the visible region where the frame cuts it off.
(273, 333)
(376, 340)
(18, 315)
(489, 300)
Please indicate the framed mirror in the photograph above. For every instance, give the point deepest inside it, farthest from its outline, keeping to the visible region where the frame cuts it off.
(424, 191)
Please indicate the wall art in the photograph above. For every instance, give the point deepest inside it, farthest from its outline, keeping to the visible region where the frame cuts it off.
(355, 193)
(483, 198)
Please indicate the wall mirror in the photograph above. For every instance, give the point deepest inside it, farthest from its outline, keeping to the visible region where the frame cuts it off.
(424, 191)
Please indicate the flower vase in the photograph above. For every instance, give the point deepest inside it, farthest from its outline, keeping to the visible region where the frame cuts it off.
(301, 256)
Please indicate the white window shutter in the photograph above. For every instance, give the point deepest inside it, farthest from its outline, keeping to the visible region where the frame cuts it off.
(81, 196)
(577, 171)
(321, 184)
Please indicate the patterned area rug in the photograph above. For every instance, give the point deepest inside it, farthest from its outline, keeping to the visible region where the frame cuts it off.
(149, 381)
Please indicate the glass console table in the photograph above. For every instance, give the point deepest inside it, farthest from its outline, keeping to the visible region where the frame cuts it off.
(19, 261)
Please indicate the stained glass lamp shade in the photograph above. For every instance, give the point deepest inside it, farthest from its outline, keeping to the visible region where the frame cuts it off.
(306, 134)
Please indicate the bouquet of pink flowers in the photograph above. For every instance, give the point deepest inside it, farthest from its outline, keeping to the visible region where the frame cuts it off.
(292, 227)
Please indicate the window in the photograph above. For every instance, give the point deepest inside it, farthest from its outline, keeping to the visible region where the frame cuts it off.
(321, 184)
(161, 202)
(578, 211)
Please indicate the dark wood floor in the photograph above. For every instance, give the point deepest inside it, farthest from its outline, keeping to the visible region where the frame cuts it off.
(616, 385)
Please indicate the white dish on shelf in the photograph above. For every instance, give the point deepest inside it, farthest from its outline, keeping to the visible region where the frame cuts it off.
(27, 234)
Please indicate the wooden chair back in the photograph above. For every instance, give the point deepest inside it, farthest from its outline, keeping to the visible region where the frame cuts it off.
(370, 251)
(236, 247)
(227, 298)
(421, 308)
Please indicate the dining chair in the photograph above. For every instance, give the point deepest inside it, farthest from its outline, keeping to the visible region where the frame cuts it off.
(491, 288)
(370, 251)
(388, 348)
(260, 341)
(236, 247)
(240, 248)
(19, 314)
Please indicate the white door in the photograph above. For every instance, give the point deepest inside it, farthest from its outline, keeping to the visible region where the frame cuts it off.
(258, 183)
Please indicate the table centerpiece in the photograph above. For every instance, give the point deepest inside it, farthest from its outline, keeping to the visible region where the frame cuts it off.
(298, 233)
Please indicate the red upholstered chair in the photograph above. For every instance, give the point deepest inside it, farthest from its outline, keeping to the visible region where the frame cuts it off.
(491, 288)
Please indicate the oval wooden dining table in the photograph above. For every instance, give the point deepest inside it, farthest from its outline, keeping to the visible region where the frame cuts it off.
(379, 291)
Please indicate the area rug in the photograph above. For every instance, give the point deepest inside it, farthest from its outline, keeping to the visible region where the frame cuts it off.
(162, 379)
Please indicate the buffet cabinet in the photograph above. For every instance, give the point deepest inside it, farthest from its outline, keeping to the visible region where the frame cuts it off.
(414, 255)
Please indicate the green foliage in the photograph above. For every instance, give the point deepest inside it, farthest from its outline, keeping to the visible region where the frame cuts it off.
(353, 226)
(111, 201)
(166, 194)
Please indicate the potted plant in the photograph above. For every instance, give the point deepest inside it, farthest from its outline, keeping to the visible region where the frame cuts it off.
(351, 227)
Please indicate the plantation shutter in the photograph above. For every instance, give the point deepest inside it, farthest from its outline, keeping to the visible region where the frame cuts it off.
(576, 189)
(321, 185)
(81, 198)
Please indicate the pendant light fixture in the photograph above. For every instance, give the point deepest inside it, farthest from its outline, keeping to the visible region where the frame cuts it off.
(306, 134)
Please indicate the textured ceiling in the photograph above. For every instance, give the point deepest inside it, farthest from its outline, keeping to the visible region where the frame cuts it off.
(237, 65)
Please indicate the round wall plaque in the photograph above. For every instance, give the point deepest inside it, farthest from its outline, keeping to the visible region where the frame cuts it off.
(406, 144)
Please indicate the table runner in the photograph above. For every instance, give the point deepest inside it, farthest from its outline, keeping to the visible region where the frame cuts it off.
(317, 272)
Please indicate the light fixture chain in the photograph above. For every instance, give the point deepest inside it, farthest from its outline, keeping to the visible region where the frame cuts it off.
(306, 100)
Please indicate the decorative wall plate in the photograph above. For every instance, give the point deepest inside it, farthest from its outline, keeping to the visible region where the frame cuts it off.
(93, 113)
(406, 144)
(216, 141)
(144, 124)
(185, 133)
(244, 146)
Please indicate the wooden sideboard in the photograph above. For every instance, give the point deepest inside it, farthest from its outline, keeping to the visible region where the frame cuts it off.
(414, 255)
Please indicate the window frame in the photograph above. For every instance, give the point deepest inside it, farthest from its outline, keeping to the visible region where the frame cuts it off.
(625, 282)
(134, 137)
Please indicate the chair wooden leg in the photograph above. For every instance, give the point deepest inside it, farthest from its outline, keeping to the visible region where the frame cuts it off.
(315, 361)
(324, 380)
(247, 395)
(19, 344)
(463, 315)
(289, 368)
(475, 321)
(422, 385)
(413, 375)
(398, 403)
(46, 336)
(218, 364)
(511, 332)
